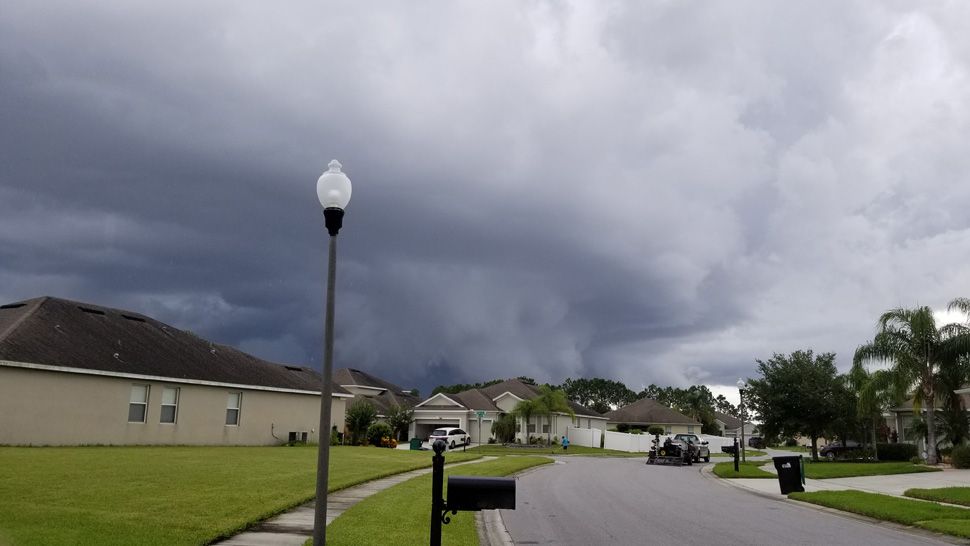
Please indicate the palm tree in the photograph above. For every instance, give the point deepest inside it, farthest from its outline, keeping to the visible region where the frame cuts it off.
(551, 402)
(876, 391)
(916, 351)
(526, 409)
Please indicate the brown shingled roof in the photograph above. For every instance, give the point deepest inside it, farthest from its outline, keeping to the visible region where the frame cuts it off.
(648, 411)
(528, 392)
(59, 332)
(729, 421)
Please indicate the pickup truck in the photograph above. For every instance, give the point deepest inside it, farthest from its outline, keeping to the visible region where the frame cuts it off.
(700, 451)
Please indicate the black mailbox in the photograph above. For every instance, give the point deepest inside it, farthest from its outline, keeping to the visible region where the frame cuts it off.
(475, 493)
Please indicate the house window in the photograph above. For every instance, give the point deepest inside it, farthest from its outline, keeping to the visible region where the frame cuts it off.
(667, 429)
(138, 404)
(518, 427)
(170, 404)
(690, 429)
(532, 427)
(232, 408)
(545, 428)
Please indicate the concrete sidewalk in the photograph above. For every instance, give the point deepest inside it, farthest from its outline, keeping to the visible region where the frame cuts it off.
(294, 527)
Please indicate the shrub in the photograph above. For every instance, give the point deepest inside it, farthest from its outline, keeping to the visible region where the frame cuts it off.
(622, 427)
(791, 442)
(960, 456)
(491, 440)
(916, 460)
(896, 452)
(360, 415)
(504, 428)
(655, 430)
(377, 432)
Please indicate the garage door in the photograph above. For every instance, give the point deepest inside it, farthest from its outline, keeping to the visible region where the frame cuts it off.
(423, 429)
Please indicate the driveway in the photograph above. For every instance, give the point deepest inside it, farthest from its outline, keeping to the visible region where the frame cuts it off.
(583, 501)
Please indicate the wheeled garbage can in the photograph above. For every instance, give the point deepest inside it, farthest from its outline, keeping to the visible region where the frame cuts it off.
(789, 474)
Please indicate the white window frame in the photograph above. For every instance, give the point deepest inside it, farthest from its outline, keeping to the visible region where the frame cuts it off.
(690, 429)
(147, 389)
(174, 406)
(668, 429)
(237, 408)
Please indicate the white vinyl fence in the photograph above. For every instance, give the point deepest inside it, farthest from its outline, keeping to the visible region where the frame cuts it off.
(640, 443)
(587, 437)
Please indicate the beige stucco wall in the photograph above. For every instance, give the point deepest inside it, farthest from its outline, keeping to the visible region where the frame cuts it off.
(40, 407)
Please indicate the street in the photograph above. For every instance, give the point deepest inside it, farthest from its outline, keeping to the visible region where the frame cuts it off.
(588, 501)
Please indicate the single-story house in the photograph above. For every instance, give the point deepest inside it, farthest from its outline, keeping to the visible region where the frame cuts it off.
(74, 373)
(902, 417)
(647, 412)
(475, 410)
(731, 426)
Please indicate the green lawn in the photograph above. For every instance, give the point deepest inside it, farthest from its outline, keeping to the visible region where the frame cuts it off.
(169, 495)
(747, 453)
(944, 519)
(823, 469)
(402, 514)
(952, 495)
(745, 470)
(497, 449)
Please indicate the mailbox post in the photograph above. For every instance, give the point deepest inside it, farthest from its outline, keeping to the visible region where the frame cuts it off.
(465, 493)
(437, 493)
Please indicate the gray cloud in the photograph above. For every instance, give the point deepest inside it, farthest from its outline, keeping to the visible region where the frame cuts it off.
(654, 193)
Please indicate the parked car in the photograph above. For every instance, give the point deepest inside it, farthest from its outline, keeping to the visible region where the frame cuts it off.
(700, 451)
(452, 436)
(756, 442)
(833, 450)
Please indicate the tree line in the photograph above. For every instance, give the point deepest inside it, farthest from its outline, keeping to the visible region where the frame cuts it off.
(910, 357)
(604, 395)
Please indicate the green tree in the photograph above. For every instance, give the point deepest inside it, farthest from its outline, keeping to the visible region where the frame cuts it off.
(525, 409)
(795, 395)
(551, 402)
(919, 354)
(360, 415)
(598, 394)
(400, 418)
(876, 392)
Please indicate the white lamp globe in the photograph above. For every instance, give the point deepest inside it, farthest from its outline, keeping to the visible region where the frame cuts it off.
(742, 384)
(333, 187)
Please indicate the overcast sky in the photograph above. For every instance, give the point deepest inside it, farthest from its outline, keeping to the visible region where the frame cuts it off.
(654, 192)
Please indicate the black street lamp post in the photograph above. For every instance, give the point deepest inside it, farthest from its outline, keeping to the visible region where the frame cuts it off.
(741, 387)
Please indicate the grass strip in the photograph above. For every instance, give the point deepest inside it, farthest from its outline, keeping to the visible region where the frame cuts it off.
(927, 515)
(950, 520)
(825, 470)
(170, 495)
(747, 453)
(956, 527)
(402, 514)
(745, 470)
(952, 495)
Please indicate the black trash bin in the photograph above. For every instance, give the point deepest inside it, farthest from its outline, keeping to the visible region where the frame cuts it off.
(789, 474)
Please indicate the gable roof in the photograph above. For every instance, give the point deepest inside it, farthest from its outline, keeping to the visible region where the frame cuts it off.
(57, 332)
(391, 396)
(729, 421)
(484, 398)
(648, 411)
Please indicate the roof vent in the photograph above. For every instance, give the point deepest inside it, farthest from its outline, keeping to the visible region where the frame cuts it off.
(12, 306)
(134, 318)
(92, 311)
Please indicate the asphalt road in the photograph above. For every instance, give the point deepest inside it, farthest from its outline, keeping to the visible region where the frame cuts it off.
(590, 501)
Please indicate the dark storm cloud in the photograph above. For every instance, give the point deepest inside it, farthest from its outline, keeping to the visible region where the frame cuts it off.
(654, 193)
